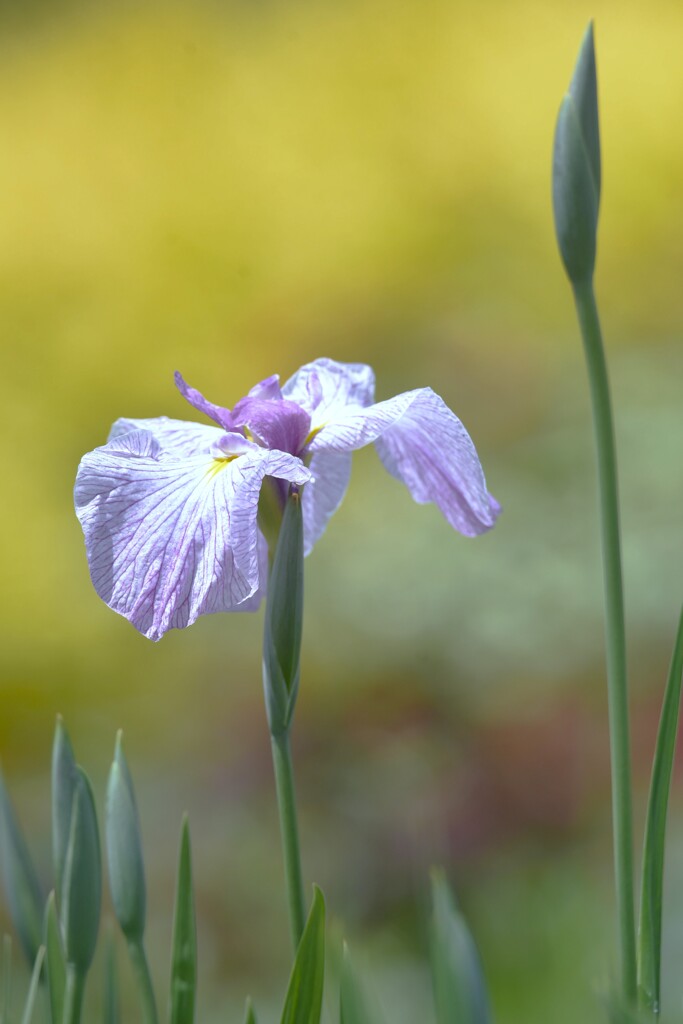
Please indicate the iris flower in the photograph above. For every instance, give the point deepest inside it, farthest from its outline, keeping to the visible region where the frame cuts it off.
(170, 509)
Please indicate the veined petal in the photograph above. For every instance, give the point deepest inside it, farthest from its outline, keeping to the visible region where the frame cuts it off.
(168, 538)
(323, 495)
(424, 444)
(176, 437)
(327, 389)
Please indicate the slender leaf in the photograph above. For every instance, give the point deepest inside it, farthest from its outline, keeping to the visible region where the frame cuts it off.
(303, 1002)
(55, 962)
(6, 994)
(459, 988)
(22, 887)
(650, 932)
(249, 1015)
(355, 1005)
(184, 952)
(33, 987)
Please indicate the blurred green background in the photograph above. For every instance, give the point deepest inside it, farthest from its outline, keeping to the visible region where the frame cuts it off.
(232, 189)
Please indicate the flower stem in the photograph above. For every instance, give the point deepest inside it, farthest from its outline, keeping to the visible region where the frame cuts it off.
(286, 801)
(73, 995)
(138, 958)
(615, 638)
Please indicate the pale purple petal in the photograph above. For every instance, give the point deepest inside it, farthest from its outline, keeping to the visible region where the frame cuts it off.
(326, 389)
(268, 388)
(196, 399)
(168, 538)
(323, 495)
(422, 443)
(177, 437)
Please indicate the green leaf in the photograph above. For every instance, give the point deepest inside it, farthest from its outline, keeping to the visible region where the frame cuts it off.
(20, 880)
(111, 1009)
(304, 998)
(249, 1015)
(124, 849)
(576, 169)
(650, 932)
(355, 1006)
(81, 896)
(6, 995)
(459, 988)
(64, 778)
(184, 952)
(284, 619)
(33, 987)
(54, 961)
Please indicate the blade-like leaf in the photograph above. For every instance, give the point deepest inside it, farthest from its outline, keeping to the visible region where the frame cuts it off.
(33, 987)
(459, 988)
(64, 778)
(21, 883)
(355, 1007)
(650, 932)
(82, 880)
(304, 998)
(6, 994)
(249, 1015)
(124, 849)
(54, 961)
(184, 952)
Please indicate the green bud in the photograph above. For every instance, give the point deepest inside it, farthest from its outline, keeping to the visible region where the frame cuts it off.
(56, 967)
(459, 987)
(576, 168)
(64, 777)
(81, 895)
(124, 849)
(284, 619)
(184, 950)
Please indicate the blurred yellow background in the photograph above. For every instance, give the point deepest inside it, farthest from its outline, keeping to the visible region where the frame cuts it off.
(232, 190)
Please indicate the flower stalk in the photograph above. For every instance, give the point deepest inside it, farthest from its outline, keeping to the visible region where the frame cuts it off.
(615, 635)
(281, 670)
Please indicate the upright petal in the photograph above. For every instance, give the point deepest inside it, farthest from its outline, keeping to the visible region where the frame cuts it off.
(327, 389)
(280, 424)
(323, 495)
(168, 538)
(196, 399)
(177, 437)
(424, 444)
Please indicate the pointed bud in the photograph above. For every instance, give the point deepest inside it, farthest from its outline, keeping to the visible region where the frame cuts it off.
(576, 168)
(124, 849)
(284, 618)
(82, 879)
(459, 987)
(64, 777)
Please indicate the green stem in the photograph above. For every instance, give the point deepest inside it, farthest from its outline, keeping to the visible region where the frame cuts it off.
(286, 801)
(73, 995)
(620, 753)
(138, 958)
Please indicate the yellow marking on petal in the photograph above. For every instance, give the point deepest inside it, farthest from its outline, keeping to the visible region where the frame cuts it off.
(220, 463)
(248, 434)
(312, 433)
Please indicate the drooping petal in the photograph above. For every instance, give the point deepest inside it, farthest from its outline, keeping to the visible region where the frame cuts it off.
(422, 443)
(168, 538)
(196, 399)
(177, 437)
(327, 389)
(323, 495)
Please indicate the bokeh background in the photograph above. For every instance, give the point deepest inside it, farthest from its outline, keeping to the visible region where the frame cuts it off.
(232, 189)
